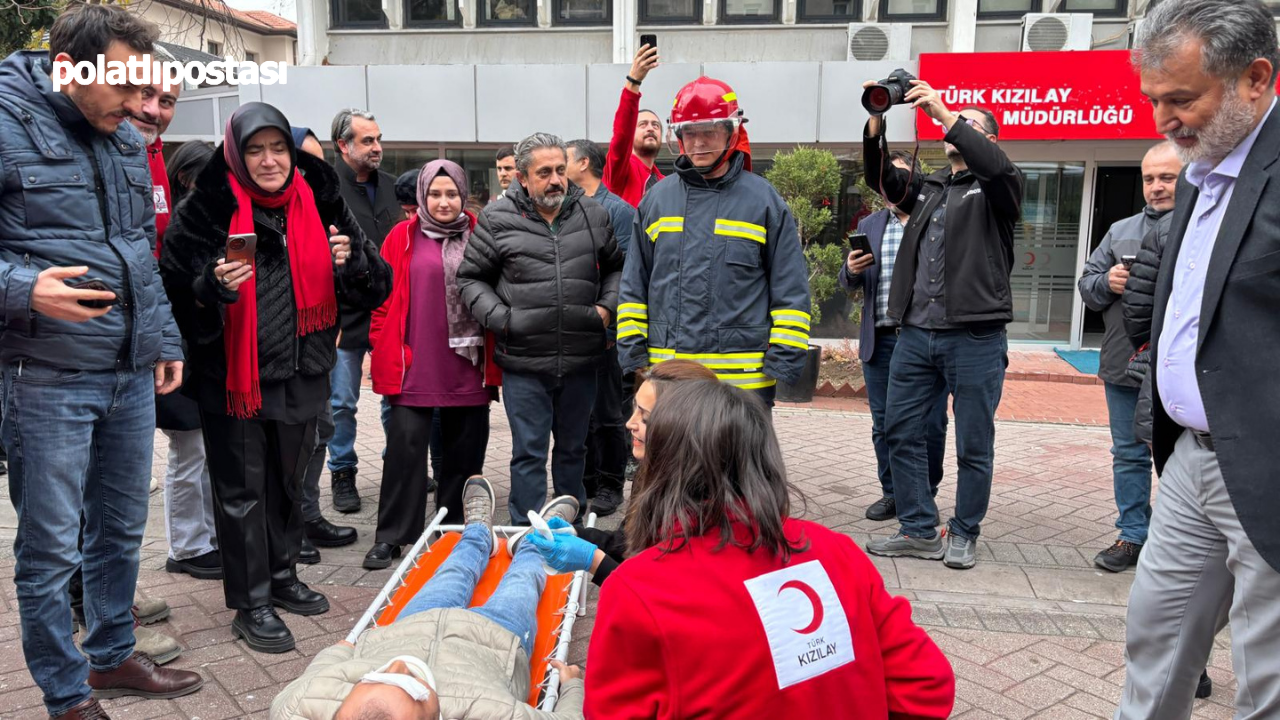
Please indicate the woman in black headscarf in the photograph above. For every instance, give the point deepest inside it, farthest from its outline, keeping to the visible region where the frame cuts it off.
(261, 335)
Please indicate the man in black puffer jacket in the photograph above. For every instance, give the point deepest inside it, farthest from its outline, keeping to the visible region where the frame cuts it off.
(1137, 304)
(541, 272)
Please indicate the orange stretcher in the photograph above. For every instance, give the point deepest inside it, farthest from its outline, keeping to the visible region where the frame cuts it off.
(563, 600)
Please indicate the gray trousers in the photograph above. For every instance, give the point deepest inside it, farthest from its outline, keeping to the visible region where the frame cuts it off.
(188, 498)
(1199, 569)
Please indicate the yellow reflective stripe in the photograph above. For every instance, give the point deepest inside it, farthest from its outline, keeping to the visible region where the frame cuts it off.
(792, 333)
(715, 364)
(790, 323)
(672, 354)
(757, 385)
(792, 343)
(665, 224)
(636, 315)
(730, 97)
(633, 306)
(791, 313)
(737, 228)
(632, 331)
(633, 324)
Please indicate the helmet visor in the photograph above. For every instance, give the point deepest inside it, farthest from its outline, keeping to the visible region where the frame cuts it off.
(702, 139)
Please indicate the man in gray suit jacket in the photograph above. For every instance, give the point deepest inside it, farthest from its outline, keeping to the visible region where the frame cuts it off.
(879, 334)
(1213, 551)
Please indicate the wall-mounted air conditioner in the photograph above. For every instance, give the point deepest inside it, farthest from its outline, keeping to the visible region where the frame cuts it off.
(879, 41)
(1057, 31)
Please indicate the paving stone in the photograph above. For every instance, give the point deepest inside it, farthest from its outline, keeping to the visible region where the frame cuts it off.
(1039, 692)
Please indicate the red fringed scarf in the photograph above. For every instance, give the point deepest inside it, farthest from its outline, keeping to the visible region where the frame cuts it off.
(311, 267)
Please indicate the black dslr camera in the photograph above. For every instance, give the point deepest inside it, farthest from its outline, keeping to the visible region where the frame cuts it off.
(878, 98)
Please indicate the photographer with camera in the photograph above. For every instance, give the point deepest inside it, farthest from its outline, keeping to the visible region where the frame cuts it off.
(950, 294)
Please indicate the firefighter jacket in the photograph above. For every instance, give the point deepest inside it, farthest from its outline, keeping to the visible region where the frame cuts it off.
(716, 275)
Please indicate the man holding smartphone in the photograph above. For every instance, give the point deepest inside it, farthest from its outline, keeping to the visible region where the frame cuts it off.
(1101, 286)
(629, 169)
(872, 271)
(79, 382)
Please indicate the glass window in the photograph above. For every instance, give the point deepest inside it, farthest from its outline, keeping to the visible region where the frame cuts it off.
(748, 11)
(1097, 7)
(1006, 8)
(1045, 245)
(358, 13)
(423, 13)
(214, 48)
(583, 12)
(913, 9)
(654, 12)
(508, 12)
(829, 11)
(251, 56)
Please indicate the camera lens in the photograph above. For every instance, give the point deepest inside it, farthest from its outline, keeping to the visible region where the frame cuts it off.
(878, 99)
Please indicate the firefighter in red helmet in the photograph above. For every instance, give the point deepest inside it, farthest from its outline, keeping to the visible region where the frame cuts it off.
(716, 274)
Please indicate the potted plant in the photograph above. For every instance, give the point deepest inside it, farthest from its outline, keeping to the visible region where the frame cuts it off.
(807, 179)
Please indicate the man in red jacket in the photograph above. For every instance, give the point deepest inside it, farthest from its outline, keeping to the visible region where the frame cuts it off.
(158, 103)
(637, 137)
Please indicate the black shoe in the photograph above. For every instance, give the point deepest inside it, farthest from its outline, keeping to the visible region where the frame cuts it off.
(606, 501)
(300, 599)
(883, 509)
(323, 533)
(309, 555)
(1205, 688)
(432, 484)
(262, 630)
(345, 497)
(202, 567)
(380, 556)
(1123, 554)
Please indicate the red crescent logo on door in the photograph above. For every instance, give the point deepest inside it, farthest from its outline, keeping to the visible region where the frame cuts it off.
(813, 599)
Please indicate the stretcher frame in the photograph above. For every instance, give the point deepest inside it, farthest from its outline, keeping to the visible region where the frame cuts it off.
(575, 605)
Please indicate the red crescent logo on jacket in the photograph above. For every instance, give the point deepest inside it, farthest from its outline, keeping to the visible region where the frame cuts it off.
(813, 599)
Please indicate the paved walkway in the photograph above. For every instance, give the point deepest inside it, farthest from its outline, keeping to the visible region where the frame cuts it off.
(1032, 632)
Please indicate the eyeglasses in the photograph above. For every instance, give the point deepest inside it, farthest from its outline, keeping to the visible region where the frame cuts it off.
(975, 123)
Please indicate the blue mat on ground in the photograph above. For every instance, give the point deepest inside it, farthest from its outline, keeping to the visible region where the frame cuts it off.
(1086, 361)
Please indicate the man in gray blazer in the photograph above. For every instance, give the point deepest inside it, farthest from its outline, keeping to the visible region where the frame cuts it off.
(1213, 551)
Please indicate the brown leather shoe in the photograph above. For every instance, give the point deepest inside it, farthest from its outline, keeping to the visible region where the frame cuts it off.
(139, 676)
(87, 710)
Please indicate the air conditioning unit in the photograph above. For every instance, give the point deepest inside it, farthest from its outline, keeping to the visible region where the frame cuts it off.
(871, 42)
(1135, 32)
(1057, 31)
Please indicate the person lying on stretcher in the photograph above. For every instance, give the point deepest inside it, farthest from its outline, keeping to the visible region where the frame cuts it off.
(440, 659)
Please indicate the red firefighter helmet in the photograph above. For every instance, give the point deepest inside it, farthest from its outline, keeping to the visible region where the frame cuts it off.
(707, 107)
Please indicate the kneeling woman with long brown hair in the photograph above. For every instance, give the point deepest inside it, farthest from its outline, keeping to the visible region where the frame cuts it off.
(728, 607)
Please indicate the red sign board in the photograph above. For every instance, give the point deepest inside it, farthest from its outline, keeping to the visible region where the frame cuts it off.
(1082, 95)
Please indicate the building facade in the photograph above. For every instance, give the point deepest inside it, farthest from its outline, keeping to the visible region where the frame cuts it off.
(457, 79)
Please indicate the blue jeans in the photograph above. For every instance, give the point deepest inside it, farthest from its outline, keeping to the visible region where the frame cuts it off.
(928, 364)
(78, 442)
(540, 407)
(514, 605)
(876, 374)
(344, 400)
(1130, 465)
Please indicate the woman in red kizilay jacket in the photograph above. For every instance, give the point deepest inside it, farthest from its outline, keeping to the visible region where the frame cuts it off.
(429, 356)
(730, 608)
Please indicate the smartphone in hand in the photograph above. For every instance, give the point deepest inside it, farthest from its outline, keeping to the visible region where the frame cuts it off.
(242, 247)
(95, 284)
(650, 40)
(1127, 261)
(859, 241)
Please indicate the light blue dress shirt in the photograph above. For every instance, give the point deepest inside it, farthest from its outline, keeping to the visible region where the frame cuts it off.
(1179, 337)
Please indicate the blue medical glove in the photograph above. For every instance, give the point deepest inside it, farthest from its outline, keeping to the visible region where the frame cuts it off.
(565, 553)
(558, 523)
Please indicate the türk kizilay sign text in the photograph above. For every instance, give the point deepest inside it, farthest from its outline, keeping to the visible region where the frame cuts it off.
(1043, 95)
